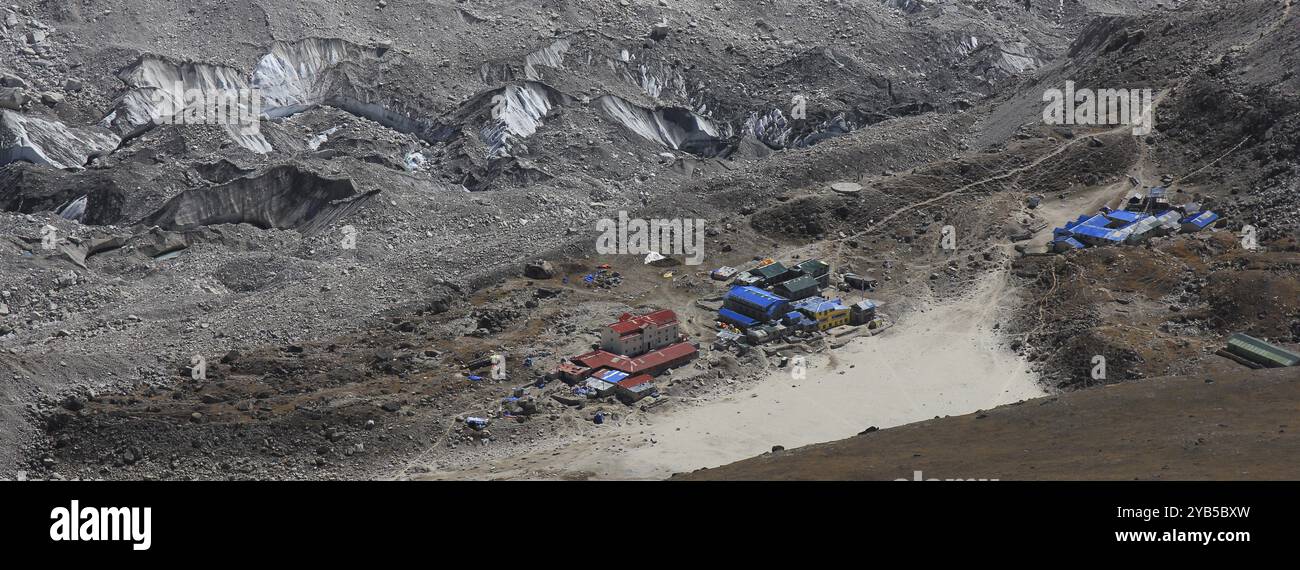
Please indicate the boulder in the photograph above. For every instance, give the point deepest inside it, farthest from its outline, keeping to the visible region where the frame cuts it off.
(659, 31)
(13, 98)
(11, 80)
(540, 269)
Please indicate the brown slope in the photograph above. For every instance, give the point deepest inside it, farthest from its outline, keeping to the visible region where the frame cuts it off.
(1219, 426)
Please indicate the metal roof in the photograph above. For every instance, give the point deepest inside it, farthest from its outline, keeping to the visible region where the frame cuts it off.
(769, 271)
(799, 284)
(865, 304)
(652, 359)
(1070, 242)
(801, 303)
(735, 318)
(659, 357)
(628, 324)
(1125, 215)
(635, 381)
(1096, 232)
(814, 267)
(1098, 220)
(1261, 352)
(831, 305)
(610, 375)
(1202, 219)
(598, 359)
(754, 296)
(598, 384)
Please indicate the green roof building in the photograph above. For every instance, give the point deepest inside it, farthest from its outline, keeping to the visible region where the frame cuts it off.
(1260, 352)
(800, 287)
(817, 269)
(769, 274)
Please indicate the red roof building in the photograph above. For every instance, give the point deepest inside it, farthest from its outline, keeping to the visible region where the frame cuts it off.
(651, 363)
(598, 359)
(633, 335)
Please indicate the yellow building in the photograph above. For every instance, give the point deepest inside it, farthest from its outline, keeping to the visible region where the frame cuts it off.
(829, 314)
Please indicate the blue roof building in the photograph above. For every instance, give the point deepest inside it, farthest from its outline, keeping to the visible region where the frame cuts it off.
(1097, 236)
(756, 303)
(1130, 226)
(731, 317)
(1125, 216)
(826, 305)
(1198, 221)
(1099, 221)
(1066, 244)
(802, 304)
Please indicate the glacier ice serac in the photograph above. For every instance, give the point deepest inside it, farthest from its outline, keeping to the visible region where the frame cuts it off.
(48, 142)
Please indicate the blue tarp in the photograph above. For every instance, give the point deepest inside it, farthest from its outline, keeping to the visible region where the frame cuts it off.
(612, 376)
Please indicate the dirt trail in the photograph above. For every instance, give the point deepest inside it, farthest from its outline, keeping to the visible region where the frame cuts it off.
(940, 360)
